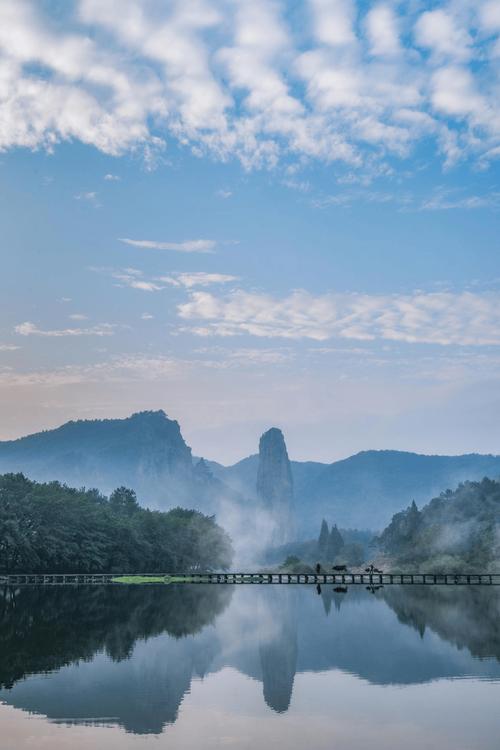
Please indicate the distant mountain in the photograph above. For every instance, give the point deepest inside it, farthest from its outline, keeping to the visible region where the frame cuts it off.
(365, 490)
(147, 453)
(242, 476)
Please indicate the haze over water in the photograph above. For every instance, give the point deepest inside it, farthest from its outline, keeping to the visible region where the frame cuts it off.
(250, 666)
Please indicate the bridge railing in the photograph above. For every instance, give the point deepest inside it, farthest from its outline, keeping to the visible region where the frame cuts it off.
(343, 579)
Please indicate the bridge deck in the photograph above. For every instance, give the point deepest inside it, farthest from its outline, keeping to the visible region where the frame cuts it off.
(340, 579)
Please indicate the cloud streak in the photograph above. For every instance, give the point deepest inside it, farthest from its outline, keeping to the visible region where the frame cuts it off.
(188, 246)
(199, 278)
(30, 329)
(135, 279)
(442, 318)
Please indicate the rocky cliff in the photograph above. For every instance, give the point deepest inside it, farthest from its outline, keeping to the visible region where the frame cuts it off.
(275, 484)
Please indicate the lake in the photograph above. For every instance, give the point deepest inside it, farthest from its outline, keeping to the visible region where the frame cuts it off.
(250, 666)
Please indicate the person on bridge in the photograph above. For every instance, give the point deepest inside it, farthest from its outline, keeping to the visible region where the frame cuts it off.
(318, 569)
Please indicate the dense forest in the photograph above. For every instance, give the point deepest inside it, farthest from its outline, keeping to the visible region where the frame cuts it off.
(459, 530)
(54, 528)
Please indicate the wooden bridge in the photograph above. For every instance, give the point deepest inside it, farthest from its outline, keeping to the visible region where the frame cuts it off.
(332, 579)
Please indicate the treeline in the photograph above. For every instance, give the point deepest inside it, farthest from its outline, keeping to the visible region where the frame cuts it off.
(459, 530)
(333, 546)
(54, 528)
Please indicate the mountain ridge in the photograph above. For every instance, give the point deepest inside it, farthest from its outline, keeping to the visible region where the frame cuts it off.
(147, 452)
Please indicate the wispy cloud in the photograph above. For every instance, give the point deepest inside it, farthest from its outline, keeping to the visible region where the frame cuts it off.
(88, 197)
(200, 278)
(117, 369)
(224, 193)
(135, 279)
(443, 318)
(8, 348)
(78, 316)
(188, 246)
(112, 177)
(347, 198)
(243, 356)
(30, 329)
(444, 200)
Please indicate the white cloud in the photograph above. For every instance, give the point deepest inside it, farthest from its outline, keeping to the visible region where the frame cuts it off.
(333, 21)
(90, 197)
(383, 32)
(133, 280)
(224, 193)
(490, 15)
(200, 278)
(147, 316)
(78, 316)
(188, 246)
(112, 177)
(441, 33)
(454, 94)
(30, 329)
(8, 348)
(241, 80)
(443, 318)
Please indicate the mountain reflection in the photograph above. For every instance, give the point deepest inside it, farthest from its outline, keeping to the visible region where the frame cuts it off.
(128, 655)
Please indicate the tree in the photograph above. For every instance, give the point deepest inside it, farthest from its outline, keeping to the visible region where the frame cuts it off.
(335, 543)
(124, 501)
(324, 536)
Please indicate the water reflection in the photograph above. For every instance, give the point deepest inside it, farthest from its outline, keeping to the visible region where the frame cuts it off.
(128, 655)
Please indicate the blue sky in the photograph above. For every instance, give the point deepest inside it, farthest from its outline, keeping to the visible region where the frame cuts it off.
(253, 215)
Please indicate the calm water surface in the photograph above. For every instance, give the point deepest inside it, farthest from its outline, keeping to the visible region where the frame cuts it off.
(250, 666)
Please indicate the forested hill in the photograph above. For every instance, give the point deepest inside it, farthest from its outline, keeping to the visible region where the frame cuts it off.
(457, 531)
(54, 528)
(145, 452)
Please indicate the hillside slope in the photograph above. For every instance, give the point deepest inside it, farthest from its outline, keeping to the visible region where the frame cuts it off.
(145, 452)
(457, 531)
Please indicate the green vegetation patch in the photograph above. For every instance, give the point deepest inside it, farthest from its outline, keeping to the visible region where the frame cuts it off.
(151, 579)
(141, 579)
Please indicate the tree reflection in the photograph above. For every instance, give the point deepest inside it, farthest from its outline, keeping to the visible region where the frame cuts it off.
(45, 628)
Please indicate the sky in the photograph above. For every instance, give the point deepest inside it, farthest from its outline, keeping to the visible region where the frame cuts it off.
(253, 215)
